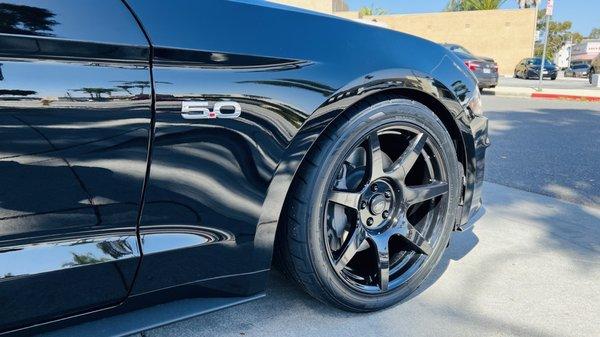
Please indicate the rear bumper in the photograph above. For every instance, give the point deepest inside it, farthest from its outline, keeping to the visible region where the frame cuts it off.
(487, 82)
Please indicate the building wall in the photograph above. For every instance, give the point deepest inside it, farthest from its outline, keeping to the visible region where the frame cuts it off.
(324, 6)
(587, 50)
(561, 59)
(505, 35)
(348, 15)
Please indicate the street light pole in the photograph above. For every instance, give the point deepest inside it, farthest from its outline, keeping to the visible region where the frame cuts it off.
(549, 12)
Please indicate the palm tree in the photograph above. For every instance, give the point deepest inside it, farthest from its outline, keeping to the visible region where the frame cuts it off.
(527, 3)
(473, 5)
(371, 11)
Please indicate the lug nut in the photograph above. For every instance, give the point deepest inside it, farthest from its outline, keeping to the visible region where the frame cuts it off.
(385, 214)
(369, 221)
(387, 194)
(374, 188)
(363, 205)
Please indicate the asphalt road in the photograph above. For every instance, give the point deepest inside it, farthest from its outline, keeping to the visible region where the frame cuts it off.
(528, 267)
(546, 147)
(560, 83)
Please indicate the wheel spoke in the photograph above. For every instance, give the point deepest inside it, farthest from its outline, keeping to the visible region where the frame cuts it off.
(416, 194)
(376, 157)
(345, 198)
(414, 238)
(408, 158)
(350, 248)
(383, 260)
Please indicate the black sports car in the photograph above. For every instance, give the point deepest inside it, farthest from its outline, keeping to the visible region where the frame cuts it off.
(155, 156)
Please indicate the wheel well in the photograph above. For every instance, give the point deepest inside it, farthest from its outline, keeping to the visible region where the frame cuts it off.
(432, 103)
(429, 101)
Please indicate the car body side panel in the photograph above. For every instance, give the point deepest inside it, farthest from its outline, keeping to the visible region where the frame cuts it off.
(74, 134)
(217, 186)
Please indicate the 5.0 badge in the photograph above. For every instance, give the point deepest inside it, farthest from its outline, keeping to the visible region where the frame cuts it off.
(201, 110)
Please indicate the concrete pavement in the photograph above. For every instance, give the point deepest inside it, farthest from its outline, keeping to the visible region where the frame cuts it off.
(529, 267)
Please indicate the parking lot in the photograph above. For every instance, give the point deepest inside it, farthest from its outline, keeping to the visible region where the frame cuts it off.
(529, 266)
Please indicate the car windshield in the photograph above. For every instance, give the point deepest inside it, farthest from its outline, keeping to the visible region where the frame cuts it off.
(579, 66)
(538, 61)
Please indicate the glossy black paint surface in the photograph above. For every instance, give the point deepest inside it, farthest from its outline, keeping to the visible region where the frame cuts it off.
(73, 149)
(215, 188)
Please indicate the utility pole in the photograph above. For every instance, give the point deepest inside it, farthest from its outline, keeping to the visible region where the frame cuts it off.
(570, 49)
(535, 31)
(549, 12)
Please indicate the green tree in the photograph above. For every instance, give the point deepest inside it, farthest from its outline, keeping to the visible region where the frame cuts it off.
(560, 33)
(595, 34)
(473, 5)
(371, 11)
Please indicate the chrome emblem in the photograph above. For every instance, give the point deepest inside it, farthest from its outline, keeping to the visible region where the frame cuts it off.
(201, 110)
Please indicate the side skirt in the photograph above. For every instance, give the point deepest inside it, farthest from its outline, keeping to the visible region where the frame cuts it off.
(152, 317)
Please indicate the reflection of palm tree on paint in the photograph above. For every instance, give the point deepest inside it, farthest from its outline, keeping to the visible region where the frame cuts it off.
(141, 85)
(26, 20)
(16, 92)
(84, 259)
(96, 93)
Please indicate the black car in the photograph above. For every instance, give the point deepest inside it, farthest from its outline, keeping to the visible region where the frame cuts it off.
(155, 156)
(529, 68)
(484, 68)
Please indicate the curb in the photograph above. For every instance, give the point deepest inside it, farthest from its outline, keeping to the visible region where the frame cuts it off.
(540, 95)
(506, 94)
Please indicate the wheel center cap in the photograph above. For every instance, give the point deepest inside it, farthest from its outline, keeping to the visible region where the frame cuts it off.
(377, 204)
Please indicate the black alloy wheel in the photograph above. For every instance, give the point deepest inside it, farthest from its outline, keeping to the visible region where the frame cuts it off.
(376, 205)
(378, 212)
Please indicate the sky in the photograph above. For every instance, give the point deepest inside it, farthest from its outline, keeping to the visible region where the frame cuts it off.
(585, 14)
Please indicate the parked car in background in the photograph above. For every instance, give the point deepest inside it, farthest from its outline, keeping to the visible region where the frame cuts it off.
(529, 68)
(580, 69)
(484, 68)
(594, 68)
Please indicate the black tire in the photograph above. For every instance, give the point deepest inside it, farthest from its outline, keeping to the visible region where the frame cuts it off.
(301, 247)
(553, 78)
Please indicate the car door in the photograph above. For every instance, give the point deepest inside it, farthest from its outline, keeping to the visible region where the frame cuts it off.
(75, 112)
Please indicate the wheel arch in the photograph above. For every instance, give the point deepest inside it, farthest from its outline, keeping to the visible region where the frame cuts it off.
(433, 95)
